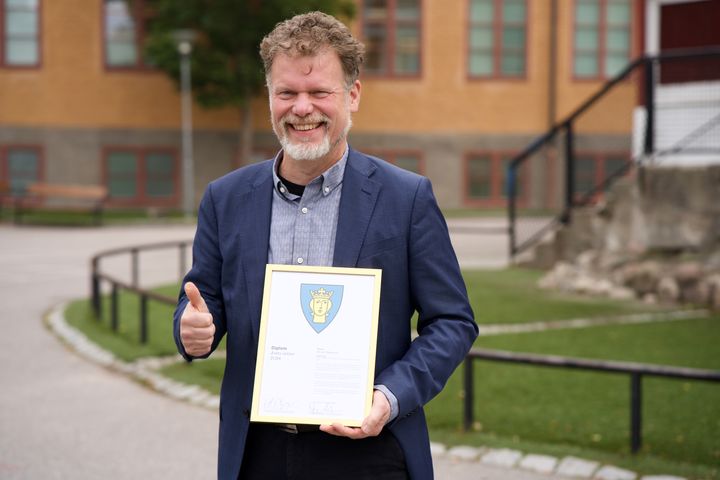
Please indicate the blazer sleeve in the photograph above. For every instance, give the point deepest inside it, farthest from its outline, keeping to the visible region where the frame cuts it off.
(446, 325)
(205, 273)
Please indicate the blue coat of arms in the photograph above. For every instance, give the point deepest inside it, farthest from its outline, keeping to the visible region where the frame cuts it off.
(320, 304)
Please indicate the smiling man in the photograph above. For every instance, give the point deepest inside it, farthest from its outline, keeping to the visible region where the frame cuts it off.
(319, 202)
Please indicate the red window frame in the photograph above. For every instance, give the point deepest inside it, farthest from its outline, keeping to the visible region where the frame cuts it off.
(390, 25)
(600, 173)
(496, 179)
(496, 25)
(602, 36)
(140, 14)
(141, 199)
(391, 156)
(4, 161)
(38, 37)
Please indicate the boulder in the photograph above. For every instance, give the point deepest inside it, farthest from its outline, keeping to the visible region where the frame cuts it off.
(668, 290)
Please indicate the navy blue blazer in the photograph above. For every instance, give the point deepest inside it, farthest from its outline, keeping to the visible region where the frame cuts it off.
(388, 219)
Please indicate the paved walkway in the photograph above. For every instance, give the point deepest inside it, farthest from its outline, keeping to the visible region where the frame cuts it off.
(62, 417)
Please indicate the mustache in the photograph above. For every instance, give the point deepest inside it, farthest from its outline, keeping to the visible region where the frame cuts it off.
(291, 118)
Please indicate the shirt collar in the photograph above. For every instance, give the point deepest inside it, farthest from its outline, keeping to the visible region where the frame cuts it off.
(330, 178)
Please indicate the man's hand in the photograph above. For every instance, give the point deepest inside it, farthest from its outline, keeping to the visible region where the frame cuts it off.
(371, 426)
(197, 329)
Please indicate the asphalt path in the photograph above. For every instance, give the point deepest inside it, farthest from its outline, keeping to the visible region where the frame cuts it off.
(62, 417)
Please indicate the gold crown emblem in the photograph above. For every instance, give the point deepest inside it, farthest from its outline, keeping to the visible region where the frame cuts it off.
(321, 293)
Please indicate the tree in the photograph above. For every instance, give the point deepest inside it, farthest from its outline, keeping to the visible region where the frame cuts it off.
(226, 65)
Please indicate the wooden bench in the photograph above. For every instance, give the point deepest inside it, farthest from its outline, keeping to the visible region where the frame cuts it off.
(88, 198)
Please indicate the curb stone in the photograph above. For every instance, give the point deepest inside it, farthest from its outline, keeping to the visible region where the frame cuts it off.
(502, 457)
(464, 453)
(608, 472)
(144, 371)
(577, 467)
(437, 449)
(539, 463)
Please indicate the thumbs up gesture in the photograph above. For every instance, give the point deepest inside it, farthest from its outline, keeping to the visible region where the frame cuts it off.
(197, 329)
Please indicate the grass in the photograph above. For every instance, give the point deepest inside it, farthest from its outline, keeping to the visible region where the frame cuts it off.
(511, 296)
(495, 212)
(82, 218)
(533, 409)
(125, 342)
(590, 410)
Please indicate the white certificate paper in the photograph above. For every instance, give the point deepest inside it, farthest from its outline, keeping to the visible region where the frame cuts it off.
(316, 349)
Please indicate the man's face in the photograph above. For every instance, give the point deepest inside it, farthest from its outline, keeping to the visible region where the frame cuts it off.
(310, 106)
(320, 306)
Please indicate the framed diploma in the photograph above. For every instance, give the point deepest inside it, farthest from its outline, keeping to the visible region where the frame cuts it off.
(316, 349)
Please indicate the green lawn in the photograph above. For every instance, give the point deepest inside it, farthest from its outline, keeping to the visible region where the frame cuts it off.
(87, 218)
(535, 409)
(511, 296)
(590, 410)
(125, 343)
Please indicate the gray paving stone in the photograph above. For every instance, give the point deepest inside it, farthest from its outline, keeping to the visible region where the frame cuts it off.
(577, 467)
(608, 472)
(502, 457)
(539, 463)
(463, 452)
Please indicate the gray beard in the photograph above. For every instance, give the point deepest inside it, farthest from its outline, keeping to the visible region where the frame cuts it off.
(310, 152)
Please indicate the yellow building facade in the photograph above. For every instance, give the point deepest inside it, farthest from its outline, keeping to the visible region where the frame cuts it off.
(453, 89)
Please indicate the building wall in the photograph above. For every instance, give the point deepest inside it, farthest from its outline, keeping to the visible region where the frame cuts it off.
(445, 99)
(73, 107)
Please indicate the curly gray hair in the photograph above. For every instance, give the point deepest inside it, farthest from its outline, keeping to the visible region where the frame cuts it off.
(307, 35)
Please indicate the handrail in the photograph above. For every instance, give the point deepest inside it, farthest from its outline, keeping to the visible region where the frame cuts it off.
(116, 284)
(679, 54)
(566, 125)
(635, 370)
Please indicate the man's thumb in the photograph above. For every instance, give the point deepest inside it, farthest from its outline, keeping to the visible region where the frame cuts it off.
(195, 298)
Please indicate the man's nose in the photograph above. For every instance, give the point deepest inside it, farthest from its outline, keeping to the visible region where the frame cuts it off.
(303, 105)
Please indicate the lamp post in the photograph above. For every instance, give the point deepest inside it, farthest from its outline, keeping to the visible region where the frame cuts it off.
(184, 40)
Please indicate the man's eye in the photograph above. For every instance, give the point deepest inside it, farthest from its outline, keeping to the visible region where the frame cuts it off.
(285, 95)
(320, 94)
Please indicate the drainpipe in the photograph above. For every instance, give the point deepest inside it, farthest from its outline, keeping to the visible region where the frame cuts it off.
(552, 69)
(552, 148)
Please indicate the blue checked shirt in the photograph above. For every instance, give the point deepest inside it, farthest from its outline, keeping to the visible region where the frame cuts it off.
(303, 228)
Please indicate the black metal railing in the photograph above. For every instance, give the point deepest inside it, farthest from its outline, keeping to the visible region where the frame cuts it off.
(98, 279)
(560, 142)
(636, 371)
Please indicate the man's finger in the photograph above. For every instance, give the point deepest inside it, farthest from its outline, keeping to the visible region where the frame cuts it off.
(378, 416)
(196, 300)
(342, 431)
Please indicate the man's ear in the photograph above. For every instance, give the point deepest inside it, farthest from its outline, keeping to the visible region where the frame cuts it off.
(354, 94)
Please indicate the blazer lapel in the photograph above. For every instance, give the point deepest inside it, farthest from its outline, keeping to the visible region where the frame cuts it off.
(254, 216)
(359, 195)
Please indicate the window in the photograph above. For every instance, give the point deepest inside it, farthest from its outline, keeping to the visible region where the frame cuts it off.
(593, 168)
(391, 32)
(19, 167)
(479, 178)
(124, 34)
(602, 37)
(497, 38)
(409, 160)
(20, 33)
(486, 180)
(141, 176)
